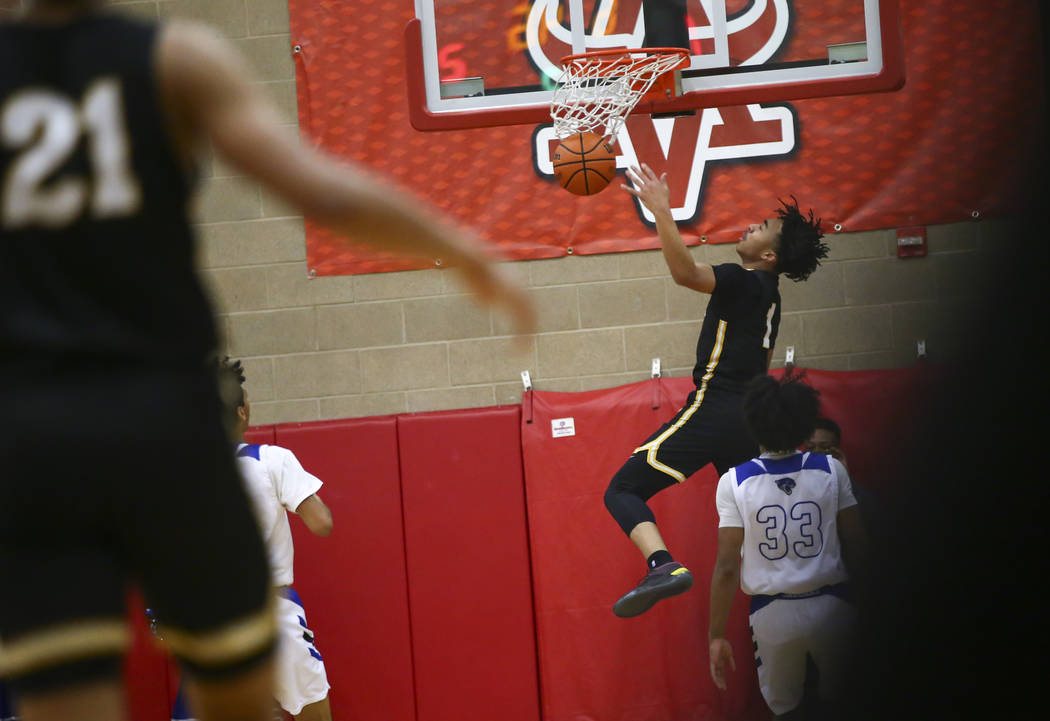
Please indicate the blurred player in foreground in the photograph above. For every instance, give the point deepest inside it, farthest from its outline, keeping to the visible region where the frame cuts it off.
(277, 483)
(793, 518)
(111, 433)
(736, 343)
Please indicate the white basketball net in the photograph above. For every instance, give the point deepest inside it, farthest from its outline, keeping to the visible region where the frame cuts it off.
(595, 94)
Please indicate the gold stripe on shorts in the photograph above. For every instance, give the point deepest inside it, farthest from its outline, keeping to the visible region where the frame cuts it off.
(228, 644)
(56, 645)
(653, 446)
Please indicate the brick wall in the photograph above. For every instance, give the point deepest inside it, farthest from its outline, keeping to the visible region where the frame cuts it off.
(348, 346)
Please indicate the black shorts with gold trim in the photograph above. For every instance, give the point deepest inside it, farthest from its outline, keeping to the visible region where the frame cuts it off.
(709, 428)
(111, 478)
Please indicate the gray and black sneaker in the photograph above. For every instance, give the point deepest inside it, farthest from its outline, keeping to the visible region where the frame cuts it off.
(664, 581)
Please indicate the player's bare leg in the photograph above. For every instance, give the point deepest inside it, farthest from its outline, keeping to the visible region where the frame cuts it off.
(247, 697)
(646, 536)
(318, 711)
(96, 701)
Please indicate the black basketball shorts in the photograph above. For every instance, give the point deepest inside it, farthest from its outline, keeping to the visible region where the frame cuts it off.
(709, 428)
(110, 478)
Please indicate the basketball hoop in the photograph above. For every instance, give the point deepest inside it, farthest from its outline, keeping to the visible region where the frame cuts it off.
(597, 90)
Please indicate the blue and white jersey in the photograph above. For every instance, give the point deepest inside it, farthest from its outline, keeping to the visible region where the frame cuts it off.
(276, 483)
(788, 506)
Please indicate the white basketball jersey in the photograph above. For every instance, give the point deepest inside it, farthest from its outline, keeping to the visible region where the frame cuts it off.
(788, 506)
(276, 483)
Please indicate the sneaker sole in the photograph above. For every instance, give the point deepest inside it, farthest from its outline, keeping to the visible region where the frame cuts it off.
(635, 603)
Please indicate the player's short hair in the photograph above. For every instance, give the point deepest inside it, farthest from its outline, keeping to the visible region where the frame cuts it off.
(799, 249)
(231, 385)
(826, 424)
(781, 413)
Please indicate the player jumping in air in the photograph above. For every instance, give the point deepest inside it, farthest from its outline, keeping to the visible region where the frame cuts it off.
(111, 433)
(793, 518)
(736, 344)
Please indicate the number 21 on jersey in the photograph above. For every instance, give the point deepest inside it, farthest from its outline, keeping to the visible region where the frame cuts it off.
(44, 129)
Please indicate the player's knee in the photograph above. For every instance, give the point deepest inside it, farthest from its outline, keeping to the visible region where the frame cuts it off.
(611, 496)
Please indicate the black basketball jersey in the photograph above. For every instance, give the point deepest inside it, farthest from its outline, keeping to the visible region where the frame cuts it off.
(96, 251)
(740, 326)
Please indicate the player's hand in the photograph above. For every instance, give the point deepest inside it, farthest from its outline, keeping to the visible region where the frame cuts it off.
(491, 286)
(720, 652)
(649, 188)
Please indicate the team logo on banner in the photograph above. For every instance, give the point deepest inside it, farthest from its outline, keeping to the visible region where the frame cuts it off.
(683, 146)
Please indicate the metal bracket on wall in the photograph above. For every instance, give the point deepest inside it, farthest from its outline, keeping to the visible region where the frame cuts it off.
(920, 347)
(655, 372)
(526, 397)
(789, 357)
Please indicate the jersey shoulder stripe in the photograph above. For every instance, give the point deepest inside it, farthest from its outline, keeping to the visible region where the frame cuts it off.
(748, 470)
(782, 466)
(817, 462)
(250, 450)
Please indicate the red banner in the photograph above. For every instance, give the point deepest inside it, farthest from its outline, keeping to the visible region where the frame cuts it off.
(955, 143)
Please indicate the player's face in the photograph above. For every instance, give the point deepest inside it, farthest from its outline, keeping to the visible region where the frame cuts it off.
(759, 238)
(821, 441)
(245, 411)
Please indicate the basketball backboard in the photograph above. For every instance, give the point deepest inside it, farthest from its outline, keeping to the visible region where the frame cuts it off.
(478, 63)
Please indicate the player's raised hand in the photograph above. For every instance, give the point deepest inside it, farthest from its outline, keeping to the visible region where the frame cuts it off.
(720, 652)
(649, 188)
(489, 284)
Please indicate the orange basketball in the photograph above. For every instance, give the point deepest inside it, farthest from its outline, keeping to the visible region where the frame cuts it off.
(584, 163)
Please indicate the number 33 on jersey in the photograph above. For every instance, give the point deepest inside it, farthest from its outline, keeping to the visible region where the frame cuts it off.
(787, 505)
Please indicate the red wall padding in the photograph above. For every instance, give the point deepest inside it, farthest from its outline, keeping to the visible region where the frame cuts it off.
(594, 665)
(654, 667)
(468, 566)
(880, 413)
(353, 583)
(452, 589)
(150, 689)
(261, 434)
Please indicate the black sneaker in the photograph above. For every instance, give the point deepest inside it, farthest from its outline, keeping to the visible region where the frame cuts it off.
(664, 581)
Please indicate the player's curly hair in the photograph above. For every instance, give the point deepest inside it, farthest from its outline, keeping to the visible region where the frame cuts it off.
(781, 413)
(799, 250)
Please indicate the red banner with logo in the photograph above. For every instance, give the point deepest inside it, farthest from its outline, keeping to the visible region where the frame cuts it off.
(956, 143)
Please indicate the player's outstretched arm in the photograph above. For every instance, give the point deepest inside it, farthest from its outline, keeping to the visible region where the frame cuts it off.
(653, 192)
(725, 578)
(316, 515)
(205, 83)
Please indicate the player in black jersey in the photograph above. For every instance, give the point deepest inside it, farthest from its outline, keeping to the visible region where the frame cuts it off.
(111, 433)
(736, 343)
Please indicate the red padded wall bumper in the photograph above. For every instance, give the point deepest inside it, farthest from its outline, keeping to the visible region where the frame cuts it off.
(353, 583)
(594, 665)
(450, 583)
(469, 581)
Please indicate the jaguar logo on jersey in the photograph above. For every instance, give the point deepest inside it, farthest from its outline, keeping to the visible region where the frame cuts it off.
(785, 484)
(683, 147)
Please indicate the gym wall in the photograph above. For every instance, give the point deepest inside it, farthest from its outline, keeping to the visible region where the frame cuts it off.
(356, 346)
